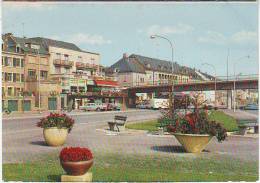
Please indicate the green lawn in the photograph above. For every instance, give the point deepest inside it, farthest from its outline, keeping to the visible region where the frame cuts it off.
(147, 125)
(228, 122)
(118, 167)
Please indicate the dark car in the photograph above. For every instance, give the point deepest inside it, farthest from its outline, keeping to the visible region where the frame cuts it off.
(250, 107)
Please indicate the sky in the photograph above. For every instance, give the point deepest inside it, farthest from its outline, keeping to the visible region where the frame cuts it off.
(200, 32)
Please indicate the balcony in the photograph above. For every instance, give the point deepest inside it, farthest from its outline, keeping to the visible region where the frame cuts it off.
(80, 65)
(64, 63)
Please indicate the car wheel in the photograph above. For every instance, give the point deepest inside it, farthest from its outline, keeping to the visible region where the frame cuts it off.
(98, 109)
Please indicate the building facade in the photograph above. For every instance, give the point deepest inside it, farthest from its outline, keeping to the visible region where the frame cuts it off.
(25, 70)
(137, 70)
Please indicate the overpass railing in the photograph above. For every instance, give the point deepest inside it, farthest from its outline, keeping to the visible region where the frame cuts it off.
(219, 79)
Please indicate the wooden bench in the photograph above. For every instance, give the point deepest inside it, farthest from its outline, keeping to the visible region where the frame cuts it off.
(118, 121)
(244, 126)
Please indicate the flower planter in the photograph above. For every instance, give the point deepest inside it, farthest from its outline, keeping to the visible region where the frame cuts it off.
(55, 136)
(193, 143)
(76, 168)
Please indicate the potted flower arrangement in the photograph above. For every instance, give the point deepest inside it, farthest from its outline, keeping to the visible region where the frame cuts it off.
(56, 128)
(193, 129)
(76, 160)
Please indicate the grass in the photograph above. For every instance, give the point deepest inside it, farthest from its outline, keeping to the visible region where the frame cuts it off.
(140, 168)
(228, 122)
(148, 125)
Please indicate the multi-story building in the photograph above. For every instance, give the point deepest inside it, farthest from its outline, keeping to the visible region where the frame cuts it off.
(26, 85)
(136, 70)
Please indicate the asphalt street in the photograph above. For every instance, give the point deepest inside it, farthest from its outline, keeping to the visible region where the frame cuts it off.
(23, 141)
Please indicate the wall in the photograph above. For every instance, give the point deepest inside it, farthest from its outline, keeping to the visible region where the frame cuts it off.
(90, 58)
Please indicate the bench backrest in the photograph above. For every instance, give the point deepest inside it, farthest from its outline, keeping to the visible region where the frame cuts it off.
(120, 119)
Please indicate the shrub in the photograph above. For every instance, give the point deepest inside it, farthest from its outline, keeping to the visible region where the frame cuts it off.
(75, 154)
(56, 120)
(195, 122)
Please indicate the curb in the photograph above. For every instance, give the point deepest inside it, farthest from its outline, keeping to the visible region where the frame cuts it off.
(71, 114)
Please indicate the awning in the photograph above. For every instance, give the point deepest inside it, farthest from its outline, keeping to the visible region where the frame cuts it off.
(106, 83)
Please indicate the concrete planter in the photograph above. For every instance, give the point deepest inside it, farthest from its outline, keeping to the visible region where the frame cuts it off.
(55, 136)
(193, 143)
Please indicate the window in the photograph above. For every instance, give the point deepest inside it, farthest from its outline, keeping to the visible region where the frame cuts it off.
(18, 77)
(67, 70)
(14, 62)
(58, 56)
(18, 49)
(57, 70)
(3, 61)
(18, 60)
(22, 77)
(44, 74)
(6, 61)
(22, 62)
(9, 77)
(80, 58)
(3, 92)
(14, 77)
(3, 76)
(66, 57)
(31, 73)
(10, 91)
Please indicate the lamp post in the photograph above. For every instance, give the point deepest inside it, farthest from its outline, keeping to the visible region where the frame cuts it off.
(171, 96)
(234, 67)
(214, 79)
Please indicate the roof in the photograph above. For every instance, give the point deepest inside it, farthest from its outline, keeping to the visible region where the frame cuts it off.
(22, 41)
(139, 64)
(50, 42)
(46, 42)
(129, 64)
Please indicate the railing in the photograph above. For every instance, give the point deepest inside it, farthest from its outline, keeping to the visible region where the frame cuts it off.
(192, 81)
(65, 63)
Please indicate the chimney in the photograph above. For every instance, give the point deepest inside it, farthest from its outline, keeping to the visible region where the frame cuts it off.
(125, 55)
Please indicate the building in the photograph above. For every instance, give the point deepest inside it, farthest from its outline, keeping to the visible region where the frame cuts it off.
(26, 84)
(137, 70)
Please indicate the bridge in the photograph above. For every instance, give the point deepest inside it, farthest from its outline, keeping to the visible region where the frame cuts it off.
(243, 82)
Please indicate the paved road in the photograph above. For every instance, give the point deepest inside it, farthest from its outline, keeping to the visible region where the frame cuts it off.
(243, 114)
(23, 141)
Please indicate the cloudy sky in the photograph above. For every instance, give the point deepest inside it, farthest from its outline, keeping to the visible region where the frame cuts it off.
(200, 32)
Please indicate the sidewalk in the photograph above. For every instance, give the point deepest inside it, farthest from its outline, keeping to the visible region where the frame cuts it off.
(241, 115)
(28, 115)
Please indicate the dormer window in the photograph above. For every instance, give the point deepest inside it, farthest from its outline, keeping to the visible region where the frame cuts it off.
(148, 65)
(34, 46)
(18, 49)
(116, 70)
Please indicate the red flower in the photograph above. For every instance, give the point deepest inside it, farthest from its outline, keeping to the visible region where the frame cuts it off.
(75, 154)
(191, 119)
(171, 128)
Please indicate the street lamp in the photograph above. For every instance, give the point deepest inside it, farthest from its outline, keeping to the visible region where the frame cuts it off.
(162, 37)
(215, 79)
(234, 66)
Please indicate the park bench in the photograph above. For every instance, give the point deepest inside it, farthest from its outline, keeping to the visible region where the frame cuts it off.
(244, 126)
(119, 121)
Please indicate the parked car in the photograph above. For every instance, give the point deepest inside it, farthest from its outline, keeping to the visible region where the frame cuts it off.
(145, 105)
(250, 107)
(159, 103)
(94, 107)
(116, 106)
